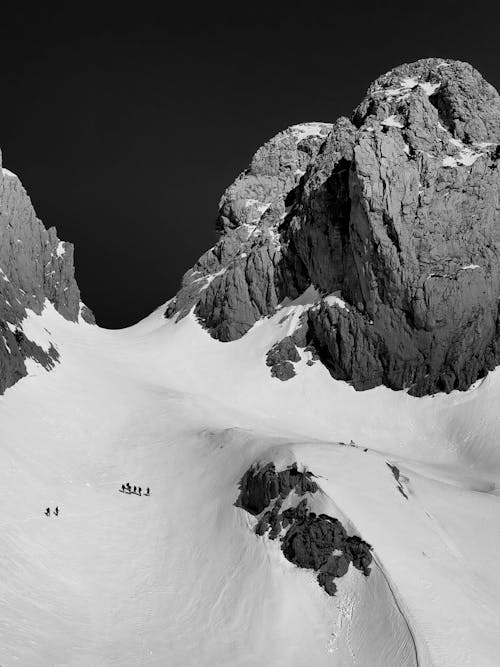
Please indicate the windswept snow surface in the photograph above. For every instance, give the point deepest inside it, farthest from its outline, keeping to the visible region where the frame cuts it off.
(179, 578)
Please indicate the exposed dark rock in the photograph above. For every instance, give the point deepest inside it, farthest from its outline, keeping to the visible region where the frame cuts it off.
(334, 568)
(284, 353)
(311, 540)
(284, 350)
(35, 268)
(397, 476)
(395, 471)
(257, 488)
(319, 543)
(14, 349)
(280, 357)
(394, 213)
(359, 552)
(270, 520)
(262, 484)
(283, 370)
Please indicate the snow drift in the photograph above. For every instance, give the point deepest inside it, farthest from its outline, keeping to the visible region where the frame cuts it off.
(180, 578)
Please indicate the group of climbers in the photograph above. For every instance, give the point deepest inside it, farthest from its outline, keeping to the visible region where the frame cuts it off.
(126, 488)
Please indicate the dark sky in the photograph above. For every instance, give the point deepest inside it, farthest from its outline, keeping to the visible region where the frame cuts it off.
(127, 127)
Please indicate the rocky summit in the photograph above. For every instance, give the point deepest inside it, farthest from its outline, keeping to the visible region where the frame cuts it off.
(387, 220)
(35, 268)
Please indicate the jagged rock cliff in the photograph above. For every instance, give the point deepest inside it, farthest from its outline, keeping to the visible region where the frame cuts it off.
(243, 277)
(35, 266)
(390, 218)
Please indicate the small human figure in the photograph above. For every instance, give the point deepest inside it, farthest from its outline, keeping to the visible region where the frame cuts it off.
(47, 511)
(56, 511)
(123, 488)
(139, 489)
(135, 489)
(147, 491)
(128, 487)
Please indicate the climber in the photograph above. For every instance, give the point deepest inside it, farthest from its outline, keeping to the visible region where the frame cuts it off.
(147, 491)
(56, 511)
(47, 511)
(135, 489)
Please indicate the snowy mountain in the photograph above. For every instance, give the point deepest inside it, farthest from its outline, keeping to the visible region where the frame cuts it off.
(35, 268)
(293, 518)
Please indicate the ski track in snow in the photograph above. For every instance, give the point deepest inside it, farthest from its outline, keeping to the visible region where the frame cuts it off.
(179, 578)
(399, 607)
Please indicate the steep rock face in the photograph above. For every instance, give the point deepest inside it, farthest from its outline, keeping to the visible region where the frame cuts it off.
(423, 282)
(391, 216)
(35, 266)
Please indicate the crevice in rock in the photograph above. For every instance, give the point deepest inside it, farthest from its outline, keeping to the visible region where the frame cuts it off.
(444, 107)
(391, 231)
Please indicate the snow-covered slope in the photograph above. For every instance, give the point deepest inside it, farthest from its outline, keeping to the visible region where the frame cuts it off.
(180, 578)
(364, 250)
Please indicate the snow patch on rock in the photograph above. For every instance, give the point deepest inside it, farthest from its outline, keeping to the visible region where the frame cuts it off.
(313, 129)
(391, 121)
(335, 300)
(210, 278)
(407, 85)
(429, 88)
(466, 155)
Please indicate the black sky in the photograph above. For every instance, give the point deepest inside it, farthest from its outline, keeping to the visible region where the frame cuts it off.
(126, 127)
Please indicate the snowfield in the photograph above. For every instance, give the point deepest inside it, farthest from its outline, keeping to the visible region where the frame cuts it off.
(179, 578)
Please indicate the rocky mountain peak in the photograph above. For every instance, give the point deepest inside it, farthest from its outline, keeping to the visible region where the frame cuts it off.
(36, 268)
(243, 263)
(466, 104)
(390, 219)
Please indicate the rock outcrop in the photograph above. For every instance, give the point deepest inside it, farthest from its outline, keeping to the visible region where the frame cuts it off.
(35, 267)
(392, 216)
(260, 485)
(315, 542)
